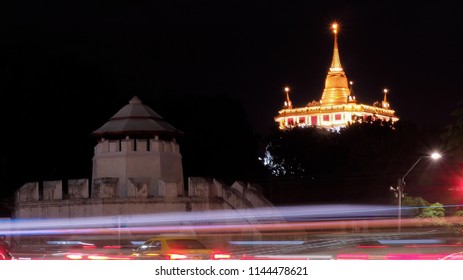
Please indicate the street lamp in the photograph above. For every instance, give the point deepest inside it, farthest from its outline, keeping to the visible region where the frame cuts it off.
(399, 190)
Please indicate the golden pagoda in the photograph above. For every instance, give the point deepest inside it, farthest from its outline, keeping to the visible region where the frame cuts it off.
(338, 106)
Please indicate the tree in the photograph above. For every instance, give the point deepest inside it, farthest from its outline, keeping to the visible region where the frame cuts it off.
(416, 205)
(459, 223)
(300, 153)
(434, 215)
(355, 164)
(435, 210)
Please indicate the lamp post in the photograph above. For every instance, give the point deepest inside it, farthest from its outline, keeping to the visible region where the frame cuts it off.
(399, 190)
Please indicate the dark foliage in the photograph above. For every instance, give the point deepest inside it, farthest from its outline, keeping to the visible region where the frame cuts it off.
(356, 164)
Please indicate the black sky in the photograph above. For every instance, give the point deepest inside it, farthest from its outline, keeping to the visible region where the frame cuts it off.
(248, 50)
(63, 62)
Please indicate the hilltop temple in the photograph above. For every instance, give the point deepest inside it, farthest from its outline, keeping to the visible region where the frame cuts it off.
(338, 107)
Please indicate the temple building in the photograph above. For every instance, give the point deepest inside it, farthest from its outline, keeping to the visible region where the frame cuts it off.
(337, 107)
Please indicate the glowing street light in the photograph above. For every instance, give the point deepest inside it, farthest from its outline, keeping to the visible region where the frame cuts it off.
(399, 190)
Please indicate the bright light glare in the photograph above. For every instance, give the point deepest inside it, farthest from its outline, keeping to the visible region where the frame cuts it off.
(74, 256)
(177, 257)
(436, 155)
(221, 256)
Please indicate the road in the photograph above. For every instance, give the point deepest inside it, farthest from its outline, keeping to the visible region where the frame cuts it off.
(404, 245)
(416, 244)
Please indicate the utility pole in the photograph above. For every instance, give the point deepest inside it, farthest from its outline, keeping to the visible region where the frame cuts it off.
(399, 190)
(399, 193)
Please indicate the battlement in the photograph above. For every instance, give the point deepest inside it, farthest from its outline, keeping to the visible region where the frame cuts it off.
(238, 195)
(50, 200)
(136, 145)
(52, 191)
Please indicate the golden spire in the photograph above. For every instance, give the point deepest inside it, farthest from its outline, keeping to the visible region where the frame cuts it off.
(385, 104)
(288, 103)
(336, 62)
(336, 86)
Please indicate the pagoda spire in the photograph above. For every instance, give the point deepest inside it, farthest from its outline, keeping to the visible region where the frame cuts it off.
(288, 103)
(336, 86)
(336, 62)
(385, 103)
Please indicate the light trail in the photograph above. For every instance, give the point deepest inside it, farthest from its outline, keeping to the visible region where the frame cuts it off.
(319, 217)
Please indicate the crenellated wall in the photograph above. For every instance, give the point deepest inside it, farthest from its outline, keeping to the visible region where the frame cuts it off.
(50, 200)
(153, 145)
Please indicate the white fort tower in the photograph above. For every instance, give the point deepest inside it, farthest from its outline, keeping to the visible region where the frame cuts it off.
(137, 148)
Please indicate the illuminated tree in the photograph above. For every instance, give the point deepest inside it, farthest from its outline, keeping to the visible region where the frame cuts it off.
(415, 205)
(435, 210)
(434, 215)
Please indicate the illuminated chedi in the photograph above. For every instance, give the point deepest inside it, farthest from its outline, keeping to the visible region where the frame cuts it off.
(338, 106)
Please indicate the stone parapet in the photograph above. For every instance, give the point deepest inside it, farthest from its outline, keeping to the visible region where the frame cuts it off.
(203, 194)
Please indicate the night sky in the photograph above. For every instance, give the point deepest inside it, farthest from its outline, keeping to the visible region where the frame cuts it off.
(67, 66)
